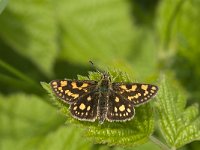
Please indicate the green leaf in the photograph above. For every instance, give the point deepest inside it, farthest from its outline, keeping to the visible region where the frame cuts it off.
(186, 28)
(27, 122)
(178, 22)
(30, 29)
(166, 15)
(146, 146)
(104, 31)
(3, 4)
(143, 58)
(178, 25)
(88, 28)
(179, 124)
(130, 133)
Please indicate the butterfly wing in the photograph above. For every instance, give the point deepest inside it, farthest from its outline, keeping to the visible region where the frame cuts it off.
(71, 90)
(86, 107)
(135, 92)
(119, 109)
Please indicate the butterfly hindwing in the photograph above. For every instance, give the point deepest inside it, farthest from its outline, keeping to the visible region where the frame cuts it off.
(86, 107)
(70, 90)
(119, 109)
(135, 92)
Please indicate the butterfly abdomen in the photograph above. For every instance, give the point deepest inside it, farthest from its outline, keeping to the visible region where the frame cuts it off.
(103, 99)
(102, 107)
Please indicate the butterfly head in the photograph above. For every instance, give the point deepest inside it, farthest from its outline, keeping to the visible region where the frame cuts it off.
(105, 82)
(106, 76)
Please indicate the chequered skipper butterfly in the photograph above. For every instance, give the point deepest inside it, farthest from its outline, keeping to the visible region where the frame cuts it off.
(103, 100)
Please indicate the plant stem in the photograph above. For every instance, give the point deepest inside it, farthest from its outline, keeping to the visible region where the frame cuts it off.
(17, 73)
(171, 21)
(159, 143)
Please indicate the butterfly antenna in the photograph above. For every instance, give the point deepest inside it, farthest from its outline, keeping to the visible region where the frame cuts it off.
(94, 67)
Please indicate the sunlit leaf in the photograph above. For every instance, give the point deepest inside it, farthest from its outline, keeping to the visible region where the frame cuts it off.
(29, 28)
(94, 29)
(29, 123)
(179, 124)
(178, 25)
(3, 4)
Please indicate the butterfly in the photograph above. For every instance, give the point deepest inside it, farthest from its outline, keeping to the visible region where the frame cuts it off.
(90, 100)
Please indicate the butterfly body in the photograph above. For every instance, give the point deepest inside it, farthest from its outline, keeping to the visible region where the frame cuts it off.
(103, 100)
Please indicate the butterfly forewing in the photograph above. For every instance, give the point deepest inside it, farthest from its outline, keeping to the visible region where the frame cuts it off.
(86, 107)
(119, 109)
(71, 90)
(135, 92)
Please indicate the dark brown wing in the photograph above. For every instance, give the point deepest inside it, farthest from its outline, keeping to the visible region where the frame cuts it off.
(135, 92)
(86, 107)
(71, 90)
(119, 109)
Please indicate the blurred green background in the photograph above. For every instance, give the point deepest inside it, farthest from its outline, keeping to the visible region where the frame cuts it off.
(42, 40)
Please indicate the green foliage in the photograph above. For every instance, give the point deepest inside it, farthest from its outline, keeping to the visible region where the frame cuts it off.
(31, 32)
(81, 31)
(179, 124)
(91, 28)
(29, 123)
(41, 40)
(3, 4)
(187, 28)
(178, 25)
(131, 133)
